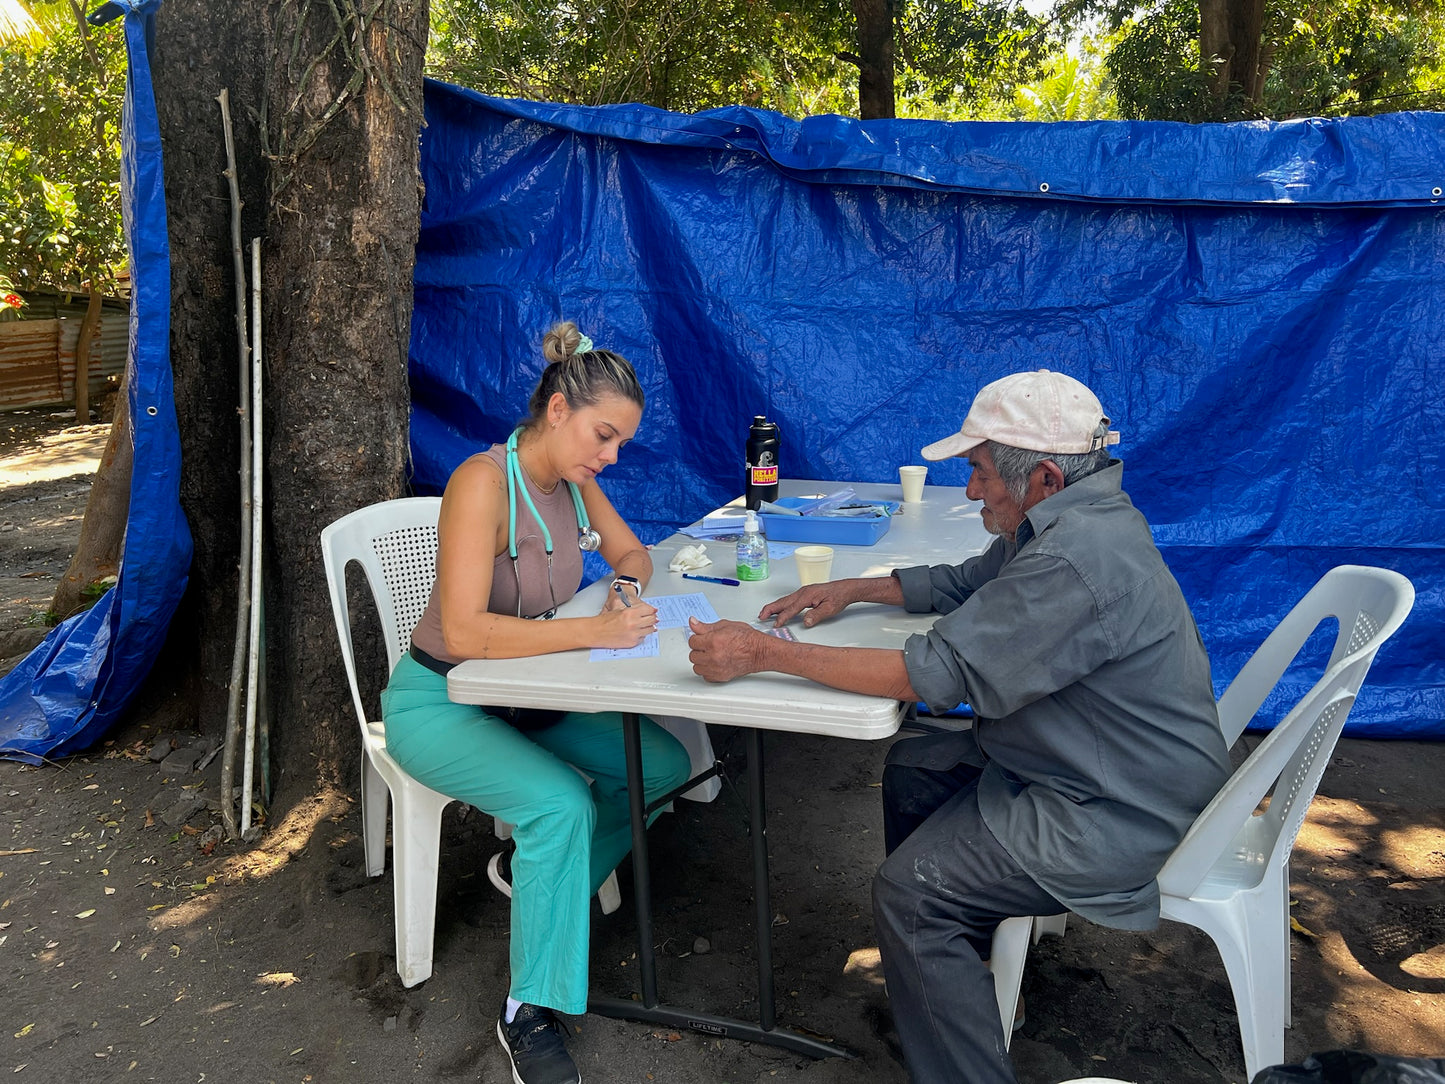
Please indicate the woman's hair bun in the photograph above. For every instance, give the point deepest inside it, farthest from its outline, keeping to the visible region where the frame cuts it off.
(561, 341)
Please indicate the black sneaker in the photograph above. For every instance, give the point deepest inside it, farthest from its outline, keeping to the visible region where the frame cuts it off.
(534, 1042)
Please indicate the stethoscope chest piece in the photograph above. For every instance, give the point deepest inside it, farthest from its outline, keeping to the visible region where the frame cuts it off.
(588, 540)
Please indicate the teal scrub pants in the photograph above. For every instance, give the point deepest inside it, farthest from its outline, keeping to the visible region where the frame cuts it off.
(569, 835)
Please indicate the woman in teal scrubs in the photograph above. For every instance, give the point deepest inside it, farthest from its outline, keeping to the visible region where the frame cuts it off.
(514, 521)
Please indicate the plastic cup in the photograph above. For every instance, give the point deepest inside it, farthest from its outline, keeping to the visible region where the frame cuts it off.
(815, 564)
(912, 479)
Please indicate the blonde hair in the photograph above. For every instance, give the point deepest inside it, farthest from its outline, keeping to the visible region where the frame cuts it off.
(582, 378)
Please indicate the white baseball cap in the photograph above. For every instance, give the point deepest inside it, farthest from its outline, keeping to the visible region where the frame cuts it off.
(1040, 411)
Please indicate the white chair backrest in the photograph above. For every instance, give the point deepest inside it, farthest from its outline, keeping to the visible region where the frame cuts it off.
(1370, 604)
(395, 542)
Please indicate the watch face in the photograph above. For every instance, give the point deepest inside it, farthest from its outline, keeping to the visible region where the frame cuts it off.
(627, 579)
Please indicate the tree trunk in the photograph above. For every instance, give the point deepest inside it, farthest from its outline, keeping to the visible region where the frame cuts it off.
(344, 206)
(199, 48)
(334, 192)
(88, 327)
(102, 531)
(875, 58)
(1231, 36)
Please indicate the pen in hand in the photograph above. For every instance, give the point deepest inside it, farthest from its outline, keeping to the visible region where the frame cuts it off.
(622, 595)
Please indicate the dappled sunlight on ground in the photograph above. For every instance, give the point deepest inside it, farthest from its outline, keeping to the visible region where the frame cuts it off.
(72, 451)
(282, 843)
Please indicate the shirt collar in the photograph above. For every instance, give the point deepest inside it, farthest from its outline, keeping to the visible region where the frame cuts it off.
(1104, 482)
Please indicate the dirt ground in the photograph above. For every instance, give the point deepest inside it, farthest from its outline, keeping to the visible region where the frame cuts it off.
(134, 946)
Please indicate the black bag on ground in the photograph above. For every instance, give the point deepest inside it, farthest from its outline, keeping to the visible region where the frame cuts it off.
(1353, 1067)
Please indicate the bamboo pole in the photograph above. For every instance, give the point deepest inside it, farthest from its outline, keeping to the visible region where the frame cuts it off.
(253, 654)
(238, 657)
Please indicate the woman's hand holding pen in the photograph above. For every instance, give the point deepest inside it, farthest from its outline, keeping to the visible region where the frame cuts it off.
(625, 626)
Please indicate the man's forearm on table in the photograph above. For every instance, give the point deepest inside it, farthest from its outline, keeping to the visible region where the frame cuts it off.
(873, 671)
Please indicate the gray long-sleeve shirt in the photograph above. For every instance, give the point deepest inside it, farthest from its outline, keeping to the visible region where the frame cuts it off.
(1090, 684)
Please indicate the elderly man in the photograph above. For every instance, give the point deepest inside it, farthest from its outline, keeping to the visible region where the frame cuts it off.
(1095, 742)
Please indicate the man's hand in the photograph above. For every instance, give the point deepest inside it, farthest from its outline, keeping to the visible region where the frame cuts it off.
(825, 600)
(820, 600)
(725, 649)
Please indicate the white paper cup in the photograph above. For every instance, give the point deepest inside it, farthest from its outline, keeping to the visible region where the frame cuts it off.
(815, 563)
(912, 479)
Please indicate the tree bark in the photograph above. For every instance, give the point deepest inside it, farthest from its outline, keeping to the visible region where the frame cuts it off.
(334, 191)
(875, 58)
(200, 48)
(102, 531)
(1231, 34)
(344, 206)
(89, 324)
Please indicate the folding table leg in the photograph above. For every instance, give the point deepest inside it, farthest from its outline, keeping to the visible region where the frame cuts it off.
(649, 1009)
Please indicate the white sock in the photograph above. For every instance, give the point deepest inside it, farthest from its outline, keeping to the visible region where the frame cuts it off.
(512, 1006)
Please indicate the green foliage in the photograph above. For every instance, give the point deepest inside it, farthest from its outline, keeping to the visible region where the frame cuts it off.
(777, 54)
(1356, 58)
(60, 104)
(1075, 86)
(1324, 58)
(1154, 66)
(962, 53)
(954, 56)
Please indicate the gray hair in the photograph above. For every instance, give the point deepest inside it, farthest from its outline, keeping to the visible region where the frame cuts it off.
(1014, 465)
(583, 379)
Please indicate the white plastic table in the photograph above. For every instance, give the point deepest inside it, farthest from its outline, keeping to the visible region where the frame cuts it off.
(942, 528)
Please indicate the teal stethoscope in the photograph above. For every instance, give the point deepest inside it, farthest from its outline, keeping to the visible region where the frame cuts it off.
(588, 540)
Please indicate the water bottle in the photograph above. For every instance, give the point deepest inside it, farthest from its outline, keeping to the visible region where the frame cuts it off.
(752, 549)
(762, 457)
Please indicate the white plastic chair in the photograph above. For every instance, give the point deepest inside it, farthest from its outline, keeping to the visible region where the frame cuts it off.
(396, 545)
(1229, 875)
(1011, 942)
(395, 542)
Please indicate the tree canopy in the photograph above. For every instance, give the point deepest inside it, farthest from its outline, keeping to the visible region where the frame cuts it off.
(1310, 58)
(1191, 60)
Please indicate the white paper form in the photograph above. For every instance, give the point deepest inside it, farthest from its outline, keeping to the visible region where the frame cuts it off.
(646, 650)
(674, 610)
(672, 613)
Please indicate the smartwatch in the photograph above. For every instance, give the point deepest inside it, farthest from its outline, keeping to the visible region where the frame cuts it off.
(627, 581)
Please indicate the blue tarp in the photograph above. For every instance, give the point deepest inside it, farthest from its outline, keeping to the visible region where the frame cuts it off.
(1258, 306)
(65, 694)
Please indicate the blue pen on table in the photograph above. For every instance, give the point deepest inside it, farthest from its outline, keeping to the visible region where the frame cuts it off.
(622, 595)
(713, 579)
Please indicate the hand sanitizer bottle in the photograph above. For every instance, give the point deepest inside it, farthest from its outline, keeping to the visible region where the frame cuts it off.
(752, 550)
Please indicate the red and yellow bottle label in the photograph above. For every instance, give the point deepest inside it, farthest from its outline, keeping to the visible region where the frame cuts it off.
(765, 476)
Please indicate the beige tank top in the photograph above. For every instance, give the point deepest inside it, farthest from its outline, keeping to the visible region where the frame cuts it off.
(531, 567)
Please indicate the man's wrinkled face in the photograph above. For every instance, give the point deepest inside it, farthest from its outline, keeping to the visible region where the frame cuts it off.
(1001, 513)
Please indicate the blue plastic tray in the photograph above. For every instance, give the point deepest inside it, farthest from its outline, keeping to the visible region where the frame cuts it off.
(827, 530)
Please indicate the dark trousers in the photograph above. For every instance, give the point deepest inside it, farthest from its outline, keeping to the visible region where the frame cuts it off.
(945, 886)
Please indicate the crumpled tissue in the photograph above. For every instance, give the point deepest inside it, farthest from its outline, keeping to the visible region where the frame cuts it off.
(689, 558)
